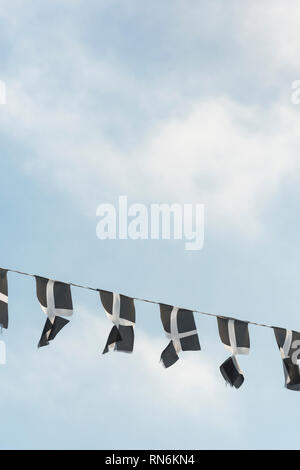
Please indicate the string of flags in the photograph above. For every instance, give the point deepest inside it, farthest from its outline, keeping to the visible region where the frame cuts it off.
(55, 299)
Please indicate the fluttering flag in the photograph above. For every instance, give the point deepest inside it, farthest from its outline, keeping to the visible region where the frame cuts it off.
(56, 301)
(179, 325)
(234, 335)
(288, 342)
(120, 310)
(3, 299)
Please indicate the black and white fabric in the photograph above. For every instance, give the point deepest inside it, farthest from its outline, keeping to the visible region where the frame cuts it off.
(120, 310)
(3, 299)
(56, 302)
(234, 335)
(179, 325)
(288, 342)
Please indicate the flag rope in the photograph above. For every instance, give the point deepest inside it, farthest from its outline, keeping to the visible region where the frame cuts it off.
(148, 301)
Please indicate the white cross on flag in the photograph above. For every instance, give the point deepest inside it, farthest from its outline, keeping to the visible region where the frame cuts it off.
(56, 301)
(288, 342)
(234, 335)
(120, 310)
(179, 325)
(3, 299)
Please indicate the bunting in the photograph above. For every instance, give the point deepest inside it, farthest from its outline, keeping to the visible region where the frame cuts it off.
(180, 328)
(234, 335)
(56, 301)
(3, 299)
(120, 310)
(288, 342)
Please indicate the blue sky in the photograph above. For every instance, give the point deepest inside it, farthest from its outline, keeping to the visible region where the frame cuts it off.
(164, 101)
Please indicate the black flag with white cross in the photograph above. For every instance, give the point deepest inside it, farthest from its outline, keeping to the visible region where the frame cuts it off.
(120, 310)
(56, 302)
(179, 325)
(3, 299)
(288, 342)
(234, 335)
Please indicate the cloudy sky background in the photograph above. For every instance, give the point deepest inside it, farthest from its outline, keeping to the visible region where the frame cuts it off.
(169, 101)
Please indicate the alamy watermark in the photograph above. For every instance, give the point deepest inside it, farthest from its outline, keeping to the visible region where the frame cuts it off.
(2, 353)
(2, 92)
(296, 353)
(295, 96)
(154, 222)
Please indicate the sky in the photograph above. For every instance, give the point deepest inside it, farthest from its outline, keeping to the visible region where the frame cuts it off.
(164, 102)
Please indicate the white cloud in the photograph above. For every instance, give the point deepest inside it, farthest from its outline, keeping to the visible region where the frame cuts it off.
(72, 370)
(271, 31)
(231, 156)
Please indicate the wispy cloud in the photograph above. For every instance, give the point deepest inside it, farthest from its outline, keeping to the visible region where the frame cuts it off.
(110, 132)
(72, 370)
(232, 157)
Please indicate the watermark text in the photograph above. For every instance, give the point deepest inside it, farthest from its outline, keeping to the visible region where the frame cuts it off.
(154, 222)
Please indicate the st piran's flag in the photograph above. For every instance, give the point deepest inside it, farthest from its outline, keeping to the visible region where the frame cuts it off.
(120, 310)
(3, 299)
(288, 342)
(234, 335)
(56, 302)
(179, 325)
